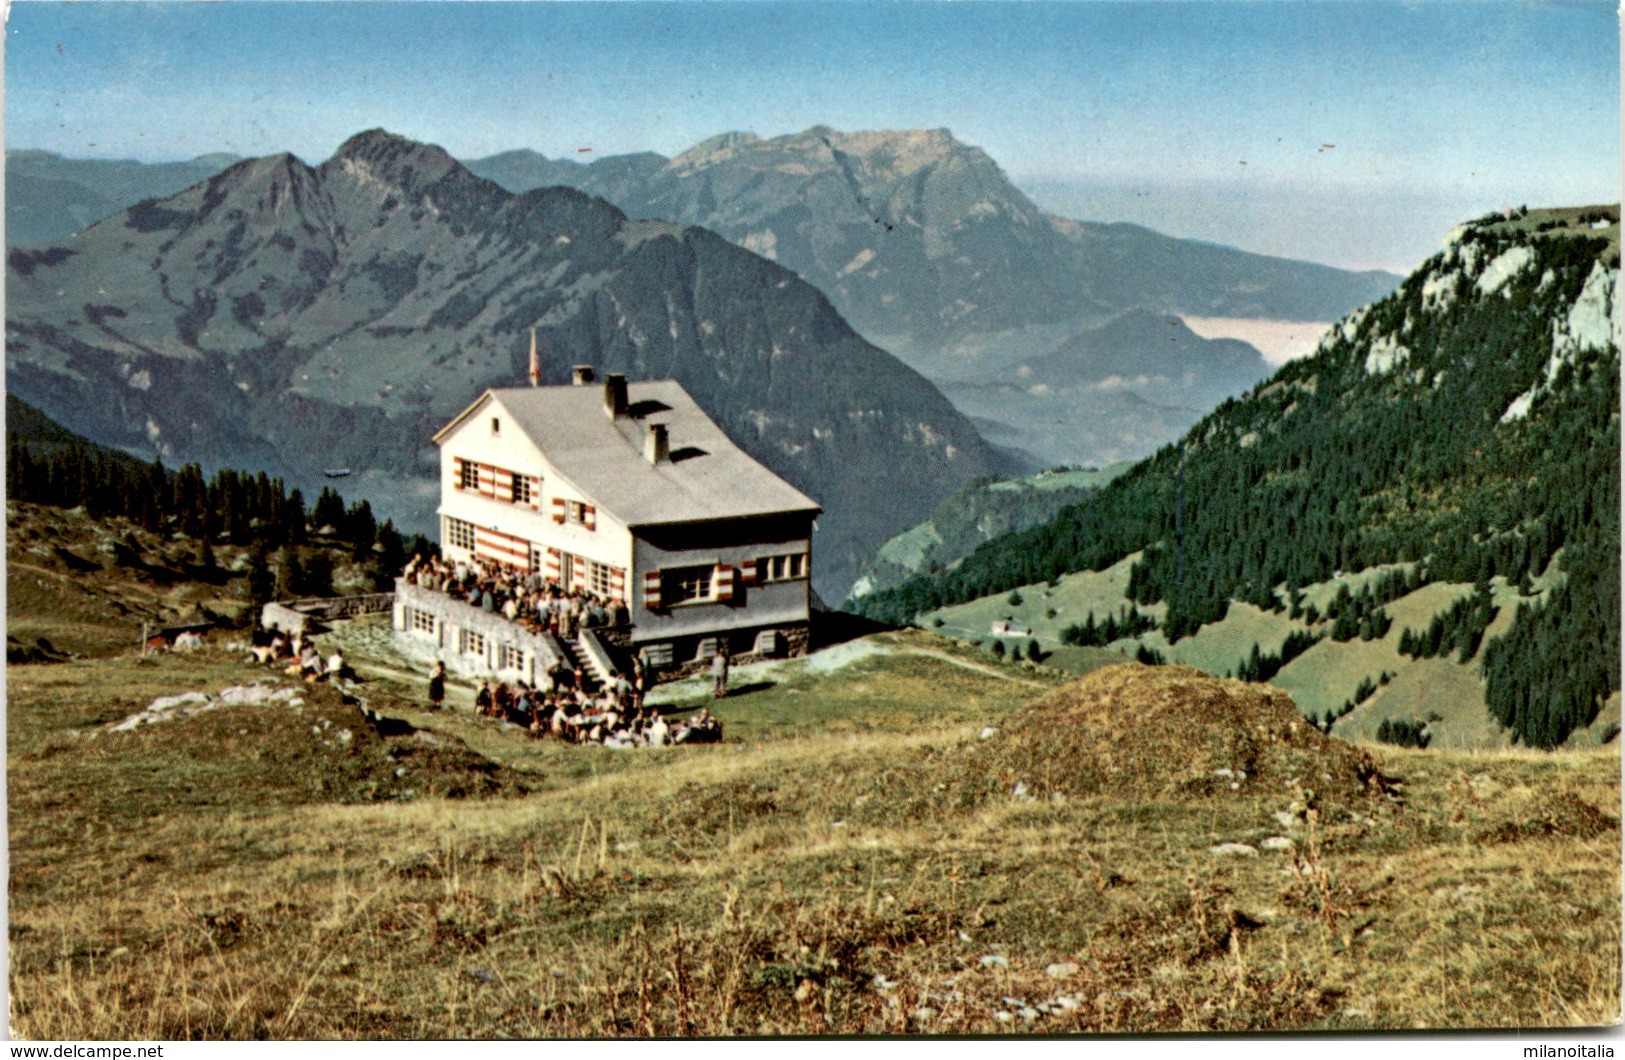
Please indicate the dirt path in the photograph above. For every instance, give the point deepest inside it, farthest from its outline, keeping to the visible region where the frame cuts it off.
(981, 668)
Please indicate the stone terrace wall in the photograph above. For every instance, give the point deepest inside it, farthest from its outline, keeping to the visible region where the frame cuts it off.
(468, 640)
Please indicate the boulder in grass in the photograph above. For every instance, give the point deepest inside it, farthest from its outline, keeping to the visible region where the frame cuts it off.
(1233, 850)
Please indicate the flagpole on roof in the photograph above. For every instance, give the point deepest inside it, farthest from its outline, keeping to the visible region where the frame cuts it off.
(535, 362)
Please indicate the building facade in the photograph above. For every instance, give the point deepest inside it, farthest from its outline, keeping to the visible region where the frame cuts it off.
(632, 493)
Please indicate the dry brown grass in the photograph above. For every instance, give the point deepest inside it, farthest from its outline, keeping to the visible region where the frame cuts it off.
(819, 882)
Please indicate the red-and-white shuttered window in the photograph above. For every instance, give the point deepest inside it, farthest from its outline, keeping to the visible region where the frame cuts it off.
(503, 548)
(581, 514)
(723, 586)
(498, 483)
(719, 583)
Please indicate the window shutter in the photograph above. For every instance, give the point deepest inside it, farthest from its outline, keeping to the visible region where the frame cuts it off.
(747, 572)
(578, 573)
(651, 590)
(535, 493)
(551, 569)
(617, 583)
(725, 583)
(457, 473)
(558, 509)
(589, 517)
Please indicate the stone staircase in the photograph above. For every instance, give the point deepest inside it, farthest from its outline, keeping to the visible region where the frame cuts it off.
(576, 656)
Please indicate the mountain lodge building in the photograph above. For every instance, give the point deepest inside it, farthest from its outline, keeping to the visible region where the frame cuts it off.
(631, 493)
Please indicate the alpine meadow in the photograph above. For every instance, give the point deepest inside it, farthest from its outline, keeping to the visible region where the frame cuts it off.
(656, 521)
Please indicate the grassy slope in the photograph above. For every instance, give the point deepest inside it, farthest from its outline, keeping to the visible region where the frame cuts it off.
(91, 603)
(195, 892)
(1448, 692)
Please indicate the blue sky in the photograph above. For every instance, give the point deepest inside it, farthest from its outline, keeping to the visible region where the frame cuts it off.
(1201, 119)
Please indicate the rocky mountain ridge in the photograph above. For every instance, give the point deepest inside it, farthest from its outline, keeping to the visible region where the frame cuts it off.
(914, 232)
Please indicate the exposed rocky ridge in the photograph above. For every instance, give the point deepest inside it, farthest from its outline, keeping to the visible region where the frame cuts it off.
(293, 318)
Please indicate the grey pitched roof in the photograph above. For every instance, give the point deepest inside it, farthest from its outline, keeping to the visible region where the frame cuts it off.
(708, 477)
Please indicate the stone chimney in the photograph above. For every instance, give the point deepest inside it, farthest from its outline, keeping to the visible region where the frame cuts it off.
(615, 395)
(583, 374)
(657, 447)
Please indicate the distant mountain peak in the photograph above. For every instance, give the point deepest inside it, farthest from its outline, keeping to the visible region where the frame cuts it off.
(369, 142)
(1142, 321)
(714, 149)
(395, 159)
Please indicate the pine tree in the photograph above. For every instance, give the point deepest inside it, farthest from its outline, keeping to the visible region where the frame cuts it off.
(290, 574)
(329, 511)
(259, 582)
(318, 574)
(360, 529)
(205, 554)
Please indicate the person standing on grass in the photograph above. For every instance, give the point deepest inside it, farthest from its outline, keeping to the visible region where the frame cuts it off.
(719, 673)
(437, 686)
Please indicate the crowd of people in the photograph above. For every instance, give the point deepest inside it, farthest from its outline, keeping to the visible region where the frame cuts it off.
(563, 705)
(566, 709)
(298, 656)
(531, 600)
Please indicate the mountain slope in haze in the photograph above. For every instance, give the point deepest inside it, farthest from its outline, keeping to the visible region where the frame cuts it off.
(50, 197)
(976, 513)
(911, 231)
(292, 318)
(926, 247)
(1468, 423)
(1051, 425)
(1119, 390)
(1153, 355)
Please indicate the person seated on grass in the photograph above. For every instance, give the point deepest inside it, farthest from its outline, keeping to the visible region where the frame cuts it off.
(310, 663)
(702, 728)
(262, 649)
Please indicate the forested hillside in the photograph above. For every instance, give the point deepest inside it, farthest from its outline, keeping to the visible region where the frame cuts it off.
(1469, 421)
(288, 544)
